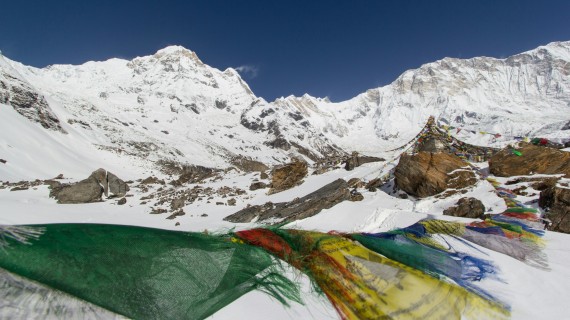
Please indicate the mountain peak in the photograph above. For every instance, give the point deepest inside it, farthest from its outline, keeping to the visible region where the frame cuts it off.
(177, 51)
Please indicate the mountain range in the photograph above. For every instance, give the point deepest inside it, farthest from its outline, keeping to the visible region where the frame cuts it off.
(170, 107)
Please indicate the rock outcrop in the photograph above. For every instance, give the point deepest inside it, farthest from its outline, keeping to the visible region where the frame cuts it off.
(91, 189)
(466, 208)
(257, 185)
(532, 160)
(355, 161)
(556, 200)
(300, 208)
(27, 101)
(84, 191)
(426, 174)
(288, 176)
(248, 165)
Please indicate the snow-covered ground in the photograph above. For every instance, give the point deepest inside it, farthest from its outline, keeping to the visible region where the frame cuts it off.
(533, 293)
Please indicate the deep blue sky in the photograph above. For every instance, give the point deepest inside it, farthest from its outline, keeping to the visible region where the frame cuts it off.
(325, 48)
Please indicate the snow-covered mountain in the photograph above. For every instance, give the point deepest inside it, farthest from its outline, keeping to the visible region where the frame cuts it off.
(527, 94)
(171, 106)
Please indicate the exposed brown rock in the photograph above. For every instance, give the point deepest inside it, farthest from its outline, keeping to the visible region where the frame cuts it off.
(176, 214)
(248, 165)
(534, 159)
(556, 199)
(157, 211)
(288, 176)
(257, 186)
(263, 175)
(355, 183)
(300, 208)
(373, 184)
(467, 208)
(122, 201)
(356, 196)
(426, 174)
(152, 180)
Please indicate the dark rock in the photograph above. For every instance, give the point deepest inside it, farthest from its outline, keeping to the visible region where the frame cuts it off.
(3, 161)
(220, 203)
(19, 188)
(279, 143)
(556, 200)
(467, 208)
(157, 211)
(116, 186)
(175, 214)
(356, 196)
(84, 191)
(257, 186)
(52, 183)
(263, 175)
(122, 201)
(193, 174)
(356, 161)
(177, 224)
(29, 103)
(247, 164)
(59, 176)
(231, 202)
(355, 183)
(534, 160)
(373, 184)
(177, 203)
(426, 174)
(152, 180)
(203, 215)
(288, 176)
(300, 208)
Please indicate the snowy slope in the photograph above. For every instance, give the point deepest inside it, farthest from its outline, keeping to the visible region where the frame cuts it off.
(168, 106)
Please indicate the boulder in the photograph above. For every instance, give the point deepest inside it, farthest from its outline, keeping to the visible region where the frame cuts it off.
(426, 174)
(257, 186)
(288, 176)
(355, 161)
(110, 182)
(84, 191)
(117, 186)
(466, 208)
(356, 196)
(556, 201)
(122, 201)
(300, 208)
(533, 160)
(89, 190)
